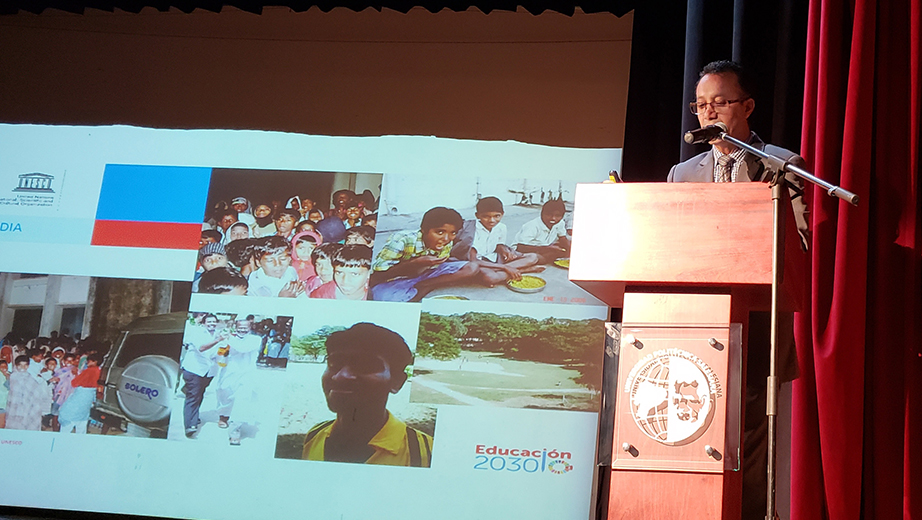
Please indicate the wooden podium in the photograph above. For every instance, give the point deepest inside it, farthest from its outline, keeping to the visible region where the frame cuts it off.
(687, 263)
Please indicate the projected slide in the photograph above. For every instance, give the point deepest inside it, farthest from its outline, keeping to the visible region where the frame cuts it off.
(326, 322)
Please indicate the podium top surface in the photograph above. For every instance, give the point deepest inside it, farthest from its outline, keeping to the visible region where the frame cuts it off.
(699, 234)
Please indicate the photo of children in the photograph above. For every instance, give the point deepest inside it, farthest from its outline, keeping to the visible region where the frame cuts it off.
(258, 238)
(229, 363)
(517, 356)
(348, 385)
(82, 336)
(475, 239)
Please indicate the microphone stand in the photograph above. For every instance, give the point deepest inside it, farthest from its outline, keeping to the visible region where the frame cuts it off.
(780, 166)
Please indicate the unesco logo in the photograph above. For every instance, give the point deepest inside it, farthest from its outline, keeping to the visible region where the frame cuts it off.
(35, 183)
(494, 458)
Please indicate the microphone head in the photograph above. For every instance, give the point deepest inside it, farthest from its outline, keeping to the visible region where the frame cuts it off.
(723, 127)
(689, 138)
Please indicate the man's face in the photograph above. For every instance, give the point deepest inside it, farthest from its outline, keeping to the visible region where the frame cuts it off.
(51, 364)
(438, 237)
(351, 281)
(353, 212)
(227, 221)
(551, 218)
(262, 211)
(239, 233)
(275, 264)
(324, 269)
(214, 261)
(23, 366)
(724, 87)
(69, 361)
(489, 219)
(355, 379)
(58, 354)
(5, 368)
(37, 358)
(211, 324)
(240, 206)
(284, 223)
(242, 328)
(315, 216)
(341, 200)
(306, 206)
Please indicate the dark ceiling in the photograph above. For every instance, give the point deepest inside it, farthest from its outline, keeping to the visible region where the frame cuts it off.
(617, 7)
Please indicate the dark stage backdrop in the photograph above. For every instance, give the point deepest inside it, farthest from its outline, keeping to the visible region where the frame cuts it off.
(672, 42)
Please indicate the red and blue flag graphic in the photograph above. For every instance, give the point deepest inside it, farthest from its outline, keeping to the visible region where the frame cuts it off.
(151, 206)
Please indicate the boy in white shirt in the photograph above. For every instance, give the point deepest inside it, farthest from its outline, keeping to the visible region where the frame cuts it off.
(483, 241)
(546, 235)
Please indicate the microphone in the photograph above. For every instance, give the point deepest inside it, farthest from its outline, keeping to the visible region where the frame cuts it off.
(706, 134)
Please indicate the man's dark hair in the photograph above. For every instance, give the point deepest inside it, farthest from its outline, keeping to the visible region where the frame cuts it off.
(553, 205)
(95, 356)
(220, 281)
(213, 234)
(439, 216)
(368, 338)
(337, 193)
(324, 251)
(227, 211)
(21, 359)
(490, 205)
(271, 245)
(366, 232)
(239, 252)
(34, 352)
(728, 67)
(293, 213)
(352, 255)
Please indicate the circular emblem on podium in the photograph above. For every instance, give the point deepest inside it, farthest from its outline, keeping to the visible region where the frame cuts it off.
(672, 396)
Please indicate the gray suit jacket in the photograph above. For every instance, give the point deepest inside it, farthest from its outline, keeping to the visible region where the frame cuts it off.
(700, 168)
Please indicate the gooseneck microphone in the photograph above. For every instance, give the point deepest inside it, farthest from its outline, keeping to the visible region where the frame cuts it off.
(706, 134)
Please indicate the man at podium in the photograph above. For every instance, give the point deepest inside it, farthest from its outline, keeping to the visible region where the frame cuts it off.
(723, 95)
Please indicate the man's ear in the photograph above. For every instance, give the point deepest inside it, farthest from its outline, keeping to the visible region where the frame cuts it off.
(749, 105)
(397, 381)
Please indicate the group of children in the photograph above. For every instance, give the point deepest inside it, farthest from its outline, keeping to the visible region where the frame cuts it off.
(60, 386)
(448, 251)
(318, 256)
(330, 255)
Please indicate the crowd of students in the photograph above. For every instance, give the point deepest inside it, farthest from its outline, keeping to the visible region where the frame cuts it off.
(48, 382)
(295, 250)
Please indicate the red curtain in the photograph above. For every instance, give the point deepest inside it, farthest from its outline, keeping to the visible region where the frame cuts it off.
(857, 411)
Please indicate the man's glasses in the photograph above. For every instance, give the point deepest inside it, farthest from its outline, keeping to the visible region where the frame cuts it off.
(697, 107)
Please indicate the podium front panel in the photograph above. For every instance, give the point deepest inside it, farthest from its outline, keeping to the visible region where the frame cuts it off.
(674, 388)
